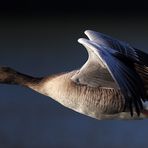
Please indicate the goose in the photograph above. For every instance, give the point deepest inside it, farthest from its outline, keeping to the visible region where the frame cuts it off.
(112, 84)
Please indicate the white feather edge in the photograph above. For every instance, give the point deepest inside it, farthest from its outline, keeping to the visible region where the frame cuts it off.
(90, 47)
(93, 47)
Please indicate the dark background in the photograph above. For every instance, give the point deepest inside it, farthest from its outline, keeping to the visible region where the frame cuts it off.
(76, 7)
(40, 38)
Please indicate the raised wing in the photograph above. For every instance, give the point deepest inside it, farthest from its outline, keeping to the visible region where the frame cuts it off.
(121, 47)
(94, 72)
(123, 73)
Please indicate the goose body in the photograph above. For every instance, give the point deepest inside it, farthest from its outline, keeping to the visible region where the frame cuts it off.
(112, 84)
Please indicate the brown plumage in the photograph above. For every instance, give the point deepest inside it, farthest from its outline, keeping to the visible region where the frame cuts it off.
(112, 84)
(143, 72)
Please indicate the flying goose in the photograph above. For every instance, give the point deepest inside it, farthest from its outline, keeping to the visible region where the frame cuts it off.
(112, 84)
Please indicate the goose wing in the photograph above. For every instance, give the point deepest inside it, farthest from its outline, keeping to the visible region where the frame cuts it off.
(103, 63)
(122, 48)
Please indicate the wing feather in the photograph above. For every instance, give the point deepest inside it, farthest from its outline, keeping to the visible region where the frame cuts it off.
(120, 46)
(124, 74)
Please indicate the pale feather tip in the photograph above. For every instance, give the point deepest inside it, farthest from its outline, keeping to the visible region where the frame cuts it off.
(88, 32)
(82, 40)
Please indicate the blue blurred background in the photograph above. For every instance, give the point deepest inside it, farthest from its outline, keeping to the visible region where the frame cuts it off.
(41, 39)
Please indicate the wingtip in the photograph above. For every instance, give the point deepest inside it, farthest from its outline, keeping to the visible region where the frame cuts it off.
(87, 42)
(87, 32)
(82, 40)
(91, 34)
